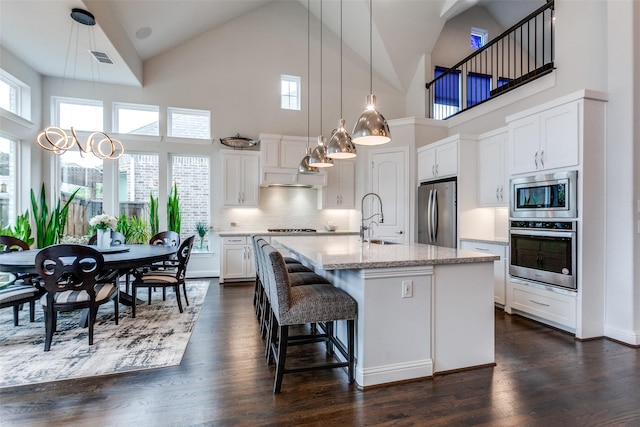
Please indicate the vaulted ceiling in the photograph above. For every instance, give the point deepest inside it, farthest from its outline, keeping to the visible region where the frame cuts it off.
(38, 31)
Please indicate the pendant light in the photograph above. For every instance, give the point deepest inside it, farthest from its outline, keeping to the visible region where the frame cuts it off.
(371, 128)
(318, 157)
(304, 166)
(55, 139)
(340, 145)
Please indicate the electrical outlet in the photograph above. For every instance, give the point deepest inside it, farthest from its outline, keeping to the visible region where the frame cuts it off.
(407, 288)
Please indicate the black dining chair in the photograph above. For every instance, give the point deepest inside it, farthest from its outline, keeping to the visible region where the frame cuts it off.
(170, 239)
(69, 275)
(165, 278)
(24, 289)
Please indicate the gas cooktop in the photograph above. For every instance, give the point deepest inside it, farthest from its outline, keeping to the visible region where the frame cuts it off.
(291, 230)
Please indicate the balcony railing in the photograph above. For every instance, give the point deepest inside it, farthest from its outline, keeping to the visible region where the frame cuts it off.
(521, 54)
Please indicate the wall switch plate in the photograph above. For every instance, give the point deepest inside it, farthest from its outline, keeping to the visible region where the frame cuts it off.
(407, 288)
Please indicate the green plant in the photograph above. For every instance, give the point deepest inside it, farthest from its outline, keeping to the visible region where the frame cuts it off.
(49, 225)
(202, 228)
(173, 210)
(123, 225)
(138, 230)
(22, 230)
(154, 221)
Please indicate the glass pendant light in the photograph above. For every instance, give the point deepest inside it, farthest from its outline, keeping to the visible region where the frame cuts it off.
(318, 157)
(304, 166)
(371, 128)
(340, 144)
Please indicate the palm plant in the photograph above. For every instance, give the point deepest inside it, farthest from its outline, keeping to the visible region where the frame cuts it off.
(22, 230)
(138, 230)
(173, 210)
(49, 225)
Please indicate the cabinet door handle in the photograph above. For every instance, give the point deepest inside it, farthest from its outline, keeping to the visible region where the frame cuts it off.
(436, 169)
(542, 157)
(501, 193)
(433, 170)
(497, 192)
(535, 158)
(400, 232)
(539, 303)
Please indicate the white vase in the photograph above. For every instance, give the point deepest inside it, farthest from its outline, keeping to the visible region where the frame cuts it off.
(104, 239)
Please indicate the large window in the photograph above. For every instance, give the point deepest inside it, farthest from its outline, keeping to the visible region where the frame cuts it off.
(8, 174)
(81, 114)
(136, 119)
(85, 173)
(9, 95)
(478, 88)
(191, 175)
(289, 92)
(138, 176)
(446, 100)
(188, 123)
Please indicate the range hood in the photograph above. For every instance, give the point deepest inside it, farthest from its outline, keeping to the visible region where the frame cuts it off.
(280, 156)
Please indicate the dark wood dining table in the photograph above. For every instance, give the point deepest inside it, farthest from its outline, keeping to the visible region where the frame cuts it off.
(120, 258)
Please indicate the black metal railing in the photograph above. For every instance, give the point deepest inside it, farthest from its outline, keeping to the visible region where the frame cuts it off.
(521, 54)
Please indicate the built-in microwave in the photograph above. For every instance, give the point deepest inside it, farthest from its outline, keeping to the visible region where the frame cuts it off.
(551, 195)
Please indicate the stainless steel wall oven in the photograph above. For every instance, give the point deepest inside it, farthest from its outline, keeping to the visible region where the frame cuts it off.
(544, 252)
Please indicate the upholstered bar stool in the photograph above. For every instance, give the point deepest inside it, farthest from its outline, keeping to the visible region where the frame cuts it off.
(312, 303)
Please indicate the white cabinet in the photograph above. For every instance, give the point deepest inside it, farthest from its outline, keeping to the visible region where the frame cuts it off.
(236, 259)
(548, 139)
(438, 160)
(499, 267)
(240, 176)
(280, 156)
(493, 190)
(551, 306)
(340, 190)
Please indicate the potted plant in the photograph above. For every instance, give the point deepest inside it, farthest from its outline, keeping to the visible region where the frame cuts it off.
(22, 230)
(202, 228)
(49, 225)
(173, 210)
(138, 230)
(154, 221)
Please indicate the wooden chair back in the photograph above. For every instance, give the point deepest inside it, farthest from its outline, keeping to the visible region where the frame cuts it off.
(12, 244)
(68, 267)
(165, 238)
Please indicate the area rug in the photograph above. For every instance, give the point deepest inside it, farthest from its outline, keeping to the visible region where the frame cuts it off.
(157, 337)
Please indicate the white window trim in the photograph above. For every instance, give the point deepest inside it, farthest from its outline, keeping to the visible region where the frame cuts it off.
(484, 34)
(298, 81)
(191, 111)
(127, 105)
(23, 107)
(57, 100)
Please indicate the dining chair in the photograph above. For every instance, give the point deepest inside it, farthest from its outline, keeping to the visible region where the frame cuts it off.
(24, 289)
(117, 238)
(69, 274)
(174, 278)
(171, 239)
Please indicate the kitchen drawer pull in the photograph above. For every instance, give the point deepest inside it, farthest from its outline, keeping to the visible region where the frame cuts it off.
(539, 303)
(482, 249)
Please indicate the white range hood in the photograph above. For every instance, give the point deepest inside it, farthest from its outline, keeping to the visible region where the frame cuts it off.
(280, 156)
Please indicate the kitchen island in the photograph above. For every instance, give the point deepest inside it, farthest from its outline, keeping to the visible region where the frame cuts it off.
(422, 309)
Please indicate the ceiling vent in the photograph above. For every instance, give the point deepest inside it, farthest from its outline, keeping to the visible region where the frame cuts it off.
(101, 57)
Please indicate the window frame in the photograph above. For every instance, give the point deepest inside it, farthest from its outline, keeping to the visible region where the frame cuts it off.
(297, 80)
(117, 106)
(482, 34)
(188, 111)
(57, 101)
(23, 95)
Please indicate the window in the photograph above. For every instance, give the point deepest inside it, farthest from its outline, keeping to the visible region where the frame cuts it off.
(136, 119)
(446, 93)
(289, 92)
(8, 182)
(187, 123)
(86, 173)
(138, 176)
(191, 175)
(478, 37)
(15, 96)
(478, 88)
(82, 114)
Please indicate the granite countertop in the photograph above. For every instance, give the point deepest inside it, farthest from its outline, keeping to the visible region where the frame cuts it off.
(495, 241)
(348, 252)
(289, 233)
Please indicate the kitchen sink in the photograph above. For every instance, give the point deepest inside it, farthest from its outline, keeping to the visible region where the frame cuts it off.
(382, 242)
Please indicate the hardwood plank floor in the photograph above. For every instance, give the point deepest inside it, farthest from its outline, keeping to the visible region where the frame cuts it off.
(543, 377)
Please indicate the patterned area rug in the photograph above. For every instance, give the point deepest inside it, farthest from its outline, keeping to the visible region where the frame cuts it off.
(157, 337)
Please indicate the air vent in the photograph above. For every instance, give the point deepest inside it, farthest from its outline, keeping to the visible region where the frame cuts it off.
(101, 57)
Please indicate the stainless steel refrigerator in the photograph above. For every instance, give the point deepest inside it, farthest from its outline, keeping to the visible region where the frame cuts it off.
(437, 207)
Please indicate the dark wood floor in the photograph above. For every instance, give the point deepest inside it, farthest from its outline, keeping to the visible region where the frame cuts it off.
(543, 377)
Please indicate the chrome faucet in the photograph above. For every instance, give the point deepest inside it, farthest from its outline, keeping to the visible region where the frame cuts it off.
(362, 226)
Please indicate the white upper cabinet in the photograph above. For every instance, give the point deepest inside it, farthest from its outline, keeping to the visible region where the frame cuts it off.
(340, 190)
(548, 139)
(493, 190)
(240, 177)
(438, 160)
(280, 156)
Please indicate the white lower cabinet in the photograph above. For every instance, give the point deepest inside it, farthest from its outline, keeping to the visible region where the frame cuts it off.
(236, 259)
(499, 267)
(557, 308)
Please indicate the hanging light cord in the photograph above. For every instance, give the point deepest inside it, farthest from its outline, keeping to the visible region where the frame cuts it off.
(320, 67)
(341, 59)
(308, 72)
(371, 46)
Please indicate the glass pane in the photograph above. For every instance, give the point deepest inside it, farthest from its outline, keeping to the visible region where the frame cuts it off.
(80, 116)
(185, 124)
(191, 175)
(8, 166)
(138, 176)
(8, 97)
(137, 121)
(85, 173)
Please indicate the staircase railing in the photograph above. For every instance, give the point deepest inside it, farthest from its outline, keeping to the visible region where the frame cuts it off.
(519, 55)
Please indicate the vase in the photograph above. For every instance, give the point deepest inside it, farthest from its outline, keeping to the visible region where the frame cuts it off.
(104, 238)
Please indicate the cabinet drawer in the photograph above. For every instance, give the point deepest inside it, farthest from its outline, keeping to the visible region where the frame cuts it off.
(499, 250)
(553, 306)
(235, 240)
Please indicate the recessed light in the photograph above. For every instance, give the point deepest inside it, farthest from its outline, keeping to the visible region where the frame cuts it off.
(143, 33)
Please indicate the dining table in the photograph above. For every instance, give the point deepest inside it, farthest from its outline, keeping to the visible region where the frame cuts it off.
(118, 258)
